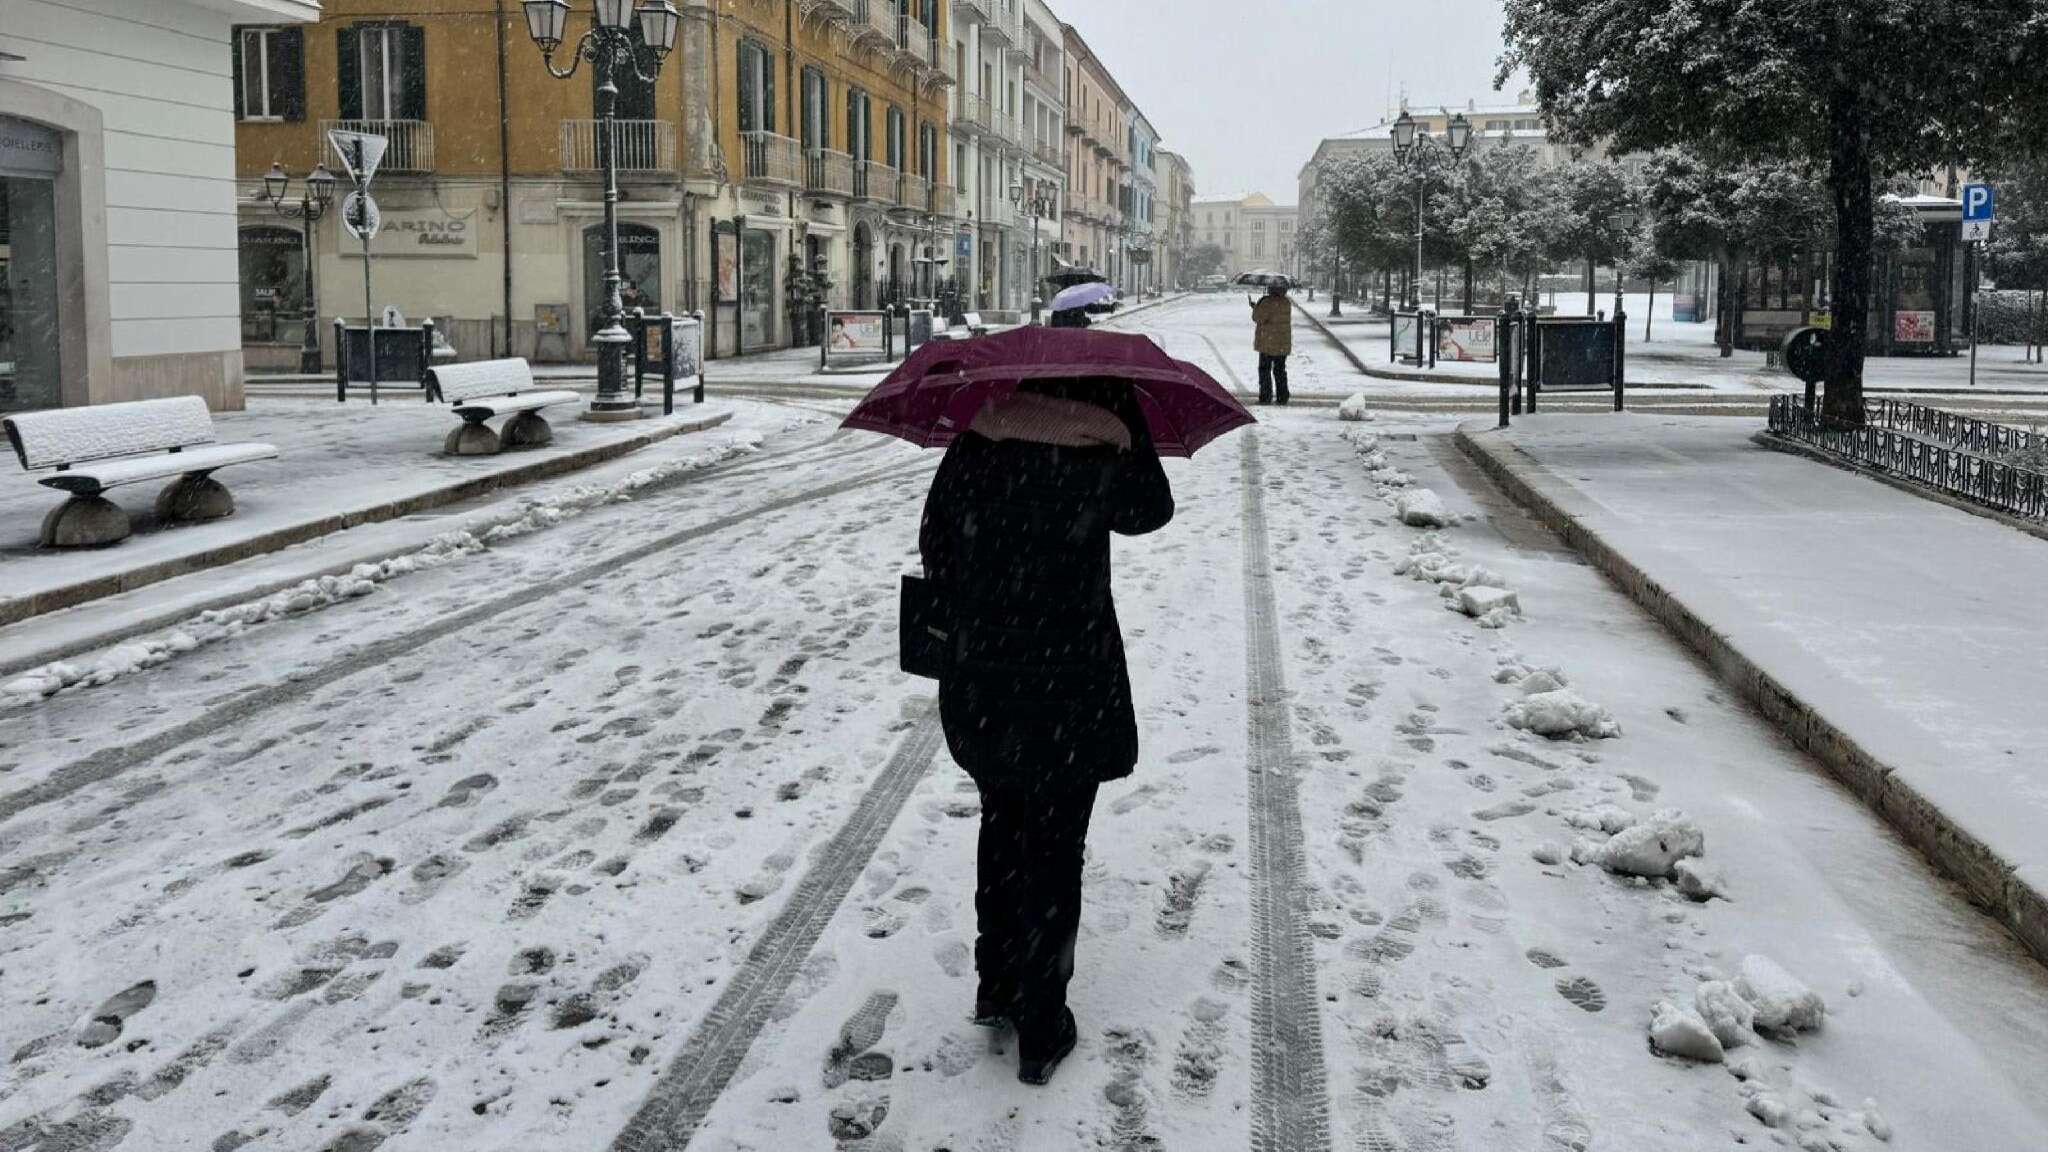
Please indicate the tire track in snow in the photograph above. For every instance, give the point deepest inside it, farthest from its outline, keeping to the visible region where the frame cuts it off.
(1289, 1101)
(693, 1081)
(108, 763)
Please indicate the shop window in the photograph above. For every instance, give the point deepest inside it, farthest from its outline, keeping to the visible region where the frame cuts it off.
(273, 262)
(639, 271)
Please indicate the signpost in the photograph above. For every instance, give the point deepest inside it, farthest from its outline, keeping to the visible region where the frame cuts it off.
(1980, 209)
(360, 155)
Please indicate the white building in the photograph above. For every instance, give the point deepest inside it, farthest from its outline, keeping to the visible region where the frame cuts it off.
(1045, 141)
(988, 149)
(117, 199)
(1141, 187)
(1253, 232)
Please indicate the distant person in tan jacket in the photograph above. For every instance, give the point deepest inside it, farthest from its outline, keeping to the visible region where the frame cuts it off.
(1274, 318)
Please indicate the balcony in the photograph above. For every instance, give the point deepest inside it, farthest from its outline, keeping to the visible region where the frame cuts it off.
(998, 211)
(771, 160)
(840, 9)
(637, 145)
(915, 40)
(875, 21)
(411, 147)
(828, 173)
(1049, 152)
(915, 192)
(974, 114)
(876, 183)
(971, 11)
(945, 202)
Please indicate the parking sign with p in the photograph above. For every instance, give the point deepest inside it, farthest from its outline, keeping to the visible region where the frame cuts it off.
(1979, 209)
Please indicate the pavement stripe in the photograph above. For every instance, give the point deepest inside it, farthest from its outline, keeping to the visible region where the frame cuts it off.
(110, 762)
(1289, 1102)
(693, 1081)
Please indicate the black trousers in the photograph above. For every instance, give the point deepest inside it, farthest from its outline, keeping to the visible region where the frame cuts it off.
(1027, 896)
(1272, 371)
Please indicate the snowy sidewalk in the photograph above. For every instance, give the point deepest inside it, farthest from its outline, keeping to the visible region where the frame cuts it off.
(339, 466)
(1880, 630)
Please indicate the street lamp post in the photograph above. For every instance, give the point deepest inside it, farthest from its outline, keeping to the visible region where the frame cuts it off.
(1624, 222)
(314, 200)
(1405, 140)
(1039, 208)
(610, 48)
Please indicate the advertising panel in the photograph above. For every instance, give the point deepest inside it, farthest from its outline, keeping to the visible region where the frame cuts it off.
(1468, 339)
(1913, 328)
(856, 335)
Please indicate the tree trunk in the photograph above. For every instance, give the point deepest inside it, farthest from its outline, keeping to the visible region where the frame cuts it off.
(1592, 305)
(1852, 183)
(1468, 287)
(1724, 303)
(1650, 312)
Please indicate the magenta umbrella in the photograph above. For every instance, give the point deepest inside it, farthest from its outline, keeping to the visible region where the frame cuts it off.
(933, 396)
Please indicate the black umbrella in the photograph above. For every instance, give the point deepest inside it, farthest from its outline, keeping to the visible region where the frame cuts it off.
(1068, 277)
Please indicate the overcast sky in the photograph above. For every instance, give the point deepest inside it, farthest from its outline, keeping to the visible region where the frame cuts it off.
(1245, 91)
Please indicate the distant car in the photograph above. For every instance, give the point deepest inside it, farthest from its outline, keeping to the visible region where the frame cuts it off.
(1216, 283)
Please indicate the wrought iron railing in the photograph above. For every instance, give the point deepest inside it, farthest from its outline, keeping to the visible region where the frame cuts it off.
(974, 111)
(877, 21)
(828, 173)
(916, 192)
(915, 39)
(878, 182)
(771, 159)
(1951, 467)
(638, 145)
(968, 11)
(1980, 436)
(945, 201)
(410, 142)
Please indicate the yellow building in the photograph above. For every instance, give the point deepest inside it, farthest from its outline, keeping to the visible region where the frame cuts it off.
(776, 128)
(1098, 160)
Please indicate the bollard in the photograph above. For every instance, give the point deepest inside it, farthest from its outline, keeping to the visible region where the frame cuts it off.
(340, 361)
(1620, 360)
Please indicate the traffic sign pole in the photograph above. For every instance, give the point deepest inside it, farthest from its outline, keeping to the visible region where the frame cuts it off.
(1980, 211)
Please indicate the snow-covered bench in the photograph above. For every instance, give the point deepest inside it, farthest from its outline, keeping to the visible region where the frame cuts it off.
(97, 448)
(489, 388)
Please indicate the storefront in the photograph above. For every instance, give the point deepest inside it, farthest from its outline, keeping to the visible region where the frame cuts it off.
(31, 160)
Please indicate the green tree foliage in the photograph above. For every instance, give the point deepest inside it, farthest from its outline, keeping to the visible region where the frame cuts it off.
(1861, 88)
(1204, 260)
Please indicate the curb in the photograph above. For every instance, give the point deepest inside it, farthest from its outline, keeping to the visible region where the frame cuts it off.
(14, 611)
(2019, 902)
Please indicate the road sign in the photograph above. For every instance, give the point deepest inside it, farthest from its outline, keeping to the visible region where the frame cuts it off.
(360, 153)
(1980, 208)
(360, 217)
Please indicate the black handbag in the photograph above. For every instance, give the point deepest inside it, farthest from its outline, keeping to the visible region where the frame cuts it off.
(926, 637)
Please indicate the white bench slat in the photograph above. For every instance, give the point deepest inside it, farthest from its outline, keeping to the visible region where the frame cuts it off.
(100, 432)
(92, 479)
(502, 405)
(459, 382)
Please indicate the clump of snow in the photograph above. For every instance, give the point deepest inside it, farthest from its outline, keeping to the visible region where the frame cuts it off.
(1562, 715)
(1875, 1123)
(1608, 818)
(1677, 1032)
(1353, 408)
(1783, 1004)
(1490, 606)
(527, 516)
(1697, 882)
(1769, 1108)
(1510, 668)
(1731, 1018)
(1548, 852)
(1422, 508)
(1431, 558)
(1650, 849)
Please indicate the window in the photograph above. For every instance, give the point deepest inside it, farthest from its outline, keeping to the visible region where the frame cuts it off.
(858, 141)
(383, 72)
(960, 168)
(270, 74)
(636, 96)
(816, 134)
(928, 152)
(757, 88)
(895, 141)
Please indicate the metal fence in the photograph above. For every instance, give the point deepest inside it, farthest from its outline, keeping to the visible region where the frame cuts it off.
(1955, 468)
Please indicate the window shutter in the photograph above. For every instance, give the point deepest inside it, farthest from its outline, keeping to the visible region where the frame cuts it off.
(348, 67)
(746, 78)
(414, 80)
(288, 72)
(235, 37)
(767, 92)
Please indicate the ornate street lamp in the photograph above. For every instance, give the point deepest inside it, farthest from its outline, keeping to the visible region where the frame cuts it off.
(314, 200)
(1406, 137)
(611, 48)
(1623, 222)
(1040, 209)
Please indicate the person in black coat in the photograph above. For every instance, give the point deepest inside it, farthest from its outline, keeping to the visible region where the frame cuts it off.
(1036, 698)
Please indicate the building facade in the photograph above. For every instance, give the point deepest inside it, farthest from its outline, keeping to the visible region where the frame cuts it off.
(1140, 189)
(1045, 137)
(788, 154)
(117, 199)
(1253, 232)
(1098, 159)
(1176, 233)
(989, 45)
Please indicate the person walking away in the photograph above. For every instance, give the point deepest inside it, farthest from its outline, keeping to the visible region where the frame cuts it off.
(1035, 697)
(1273, 317)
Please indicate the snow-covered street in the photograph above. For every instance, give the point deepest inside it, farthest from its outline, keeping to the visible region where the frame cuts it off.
(626, 832)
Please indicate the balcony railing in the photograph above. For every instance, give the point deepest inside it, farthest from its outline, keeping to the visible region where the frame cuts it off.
(945, 201)
(998, 210)
(842, 9)
(1049, 151)
(916, 192)
(411, 147)
(915, 39)
(771, 159)
(877, 182)
(971, 11)
(974, 112)
(828, 173)
(638, 145)
(877, 20)
(1009, 19)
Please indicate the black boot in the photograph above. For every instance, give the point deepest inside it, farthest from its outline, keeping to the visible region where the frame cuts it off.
(1041, 1048)
(991, 1010)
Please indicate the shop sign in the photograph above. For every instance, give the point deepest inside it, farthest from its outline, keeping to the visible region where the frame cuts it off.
(421, 232)
(29, 149)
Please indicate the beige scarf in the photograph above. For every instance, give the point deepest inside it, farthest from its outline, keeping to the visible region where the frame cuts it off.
(1049, 420)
